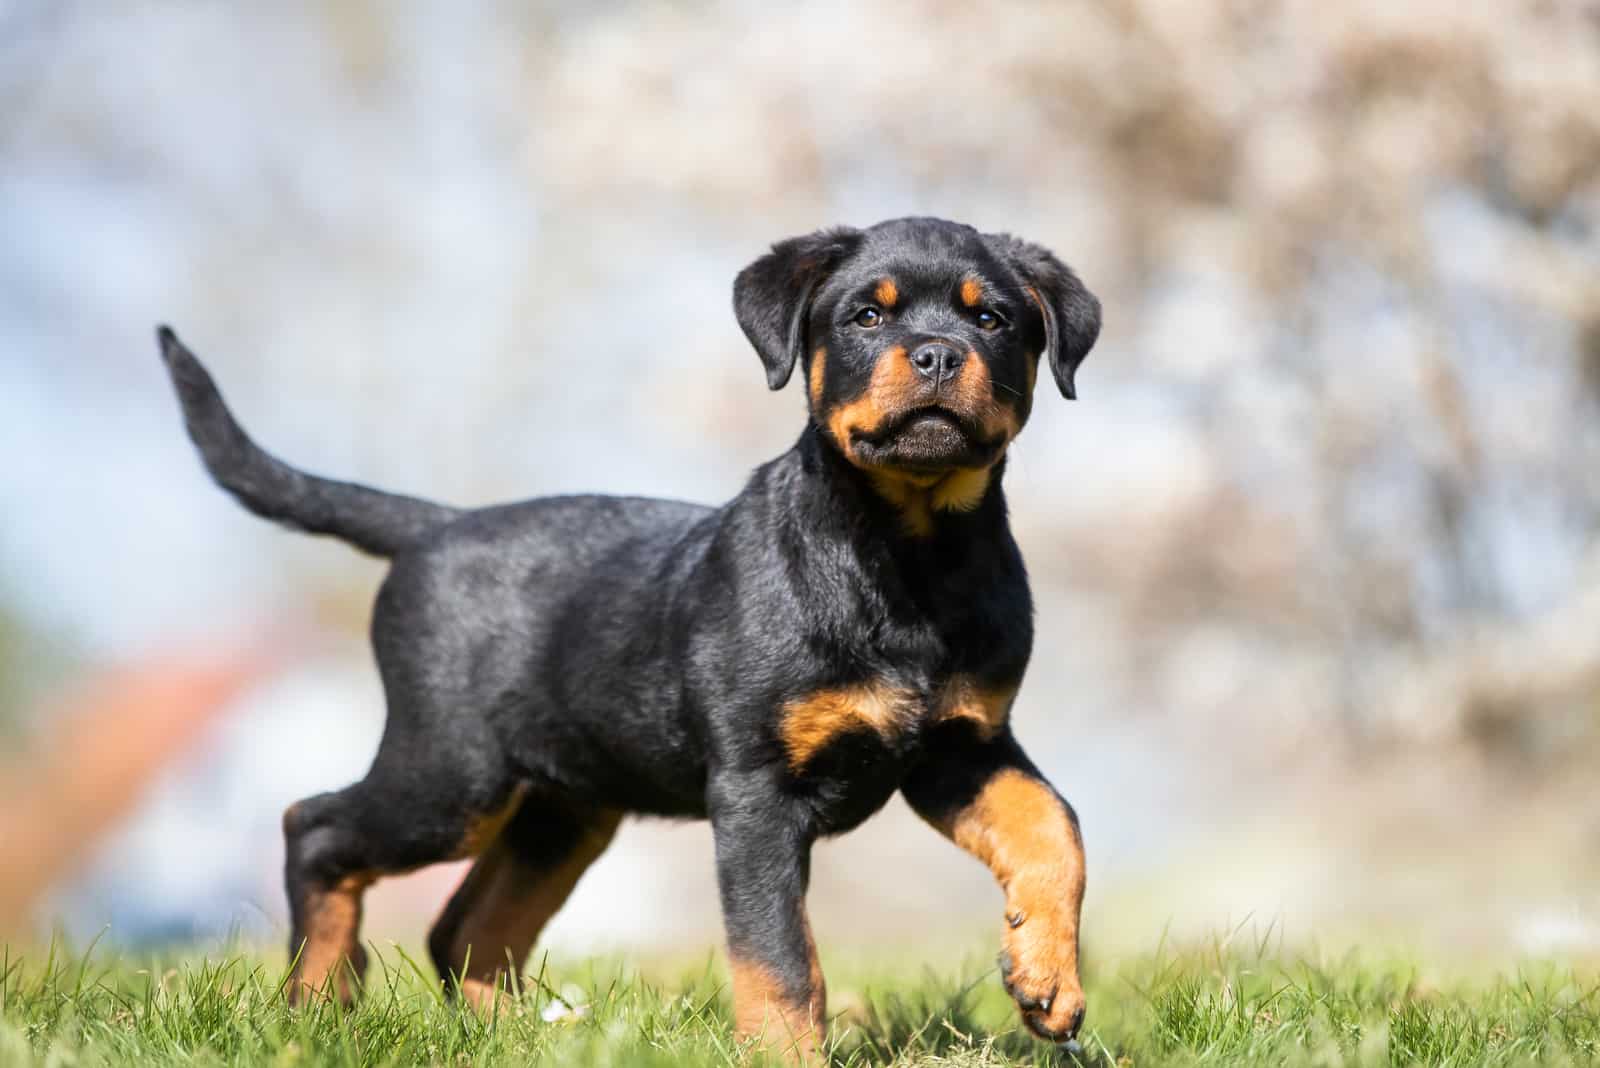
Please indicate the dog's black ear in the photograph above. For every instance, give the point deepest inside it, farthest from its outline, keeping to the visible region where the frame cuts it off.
(772, 296)
(1071, 313)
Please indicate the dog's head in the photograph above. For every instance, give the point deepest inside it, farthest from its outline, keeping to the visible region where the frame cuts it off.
(920, 339)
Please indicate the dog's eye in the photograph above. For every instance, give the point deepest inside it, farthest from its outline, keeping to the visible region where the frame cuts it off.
(869, 318)
(988, 320)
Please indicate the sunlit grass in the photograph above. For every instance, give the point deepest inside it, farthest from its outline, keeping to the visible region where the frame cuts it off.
(1216, 1004)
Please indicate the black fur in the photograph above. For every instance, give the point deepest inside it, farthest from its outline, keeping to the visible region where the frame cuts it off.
(373, 521)
(1071, 312)
(772, 296)
(604, 653)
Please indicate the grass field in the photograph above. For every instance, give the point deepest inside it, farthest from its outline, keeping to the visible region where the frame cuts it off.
(1211, 1005)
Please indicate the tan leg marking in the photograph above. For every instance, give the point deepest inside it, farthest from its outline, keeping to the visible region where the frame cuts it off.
(1020, 829)
(811, 722)
(482, 832)
(509, 905)
(331, 941)
(762, 1009)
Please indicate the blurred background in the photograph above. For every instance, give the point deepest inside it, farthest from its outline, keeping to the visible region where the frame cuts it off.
(1315, 556)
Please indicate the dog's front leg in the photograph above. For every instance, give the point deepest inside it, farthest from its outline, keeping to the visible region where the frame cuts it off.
(763, 866)
(988, 798)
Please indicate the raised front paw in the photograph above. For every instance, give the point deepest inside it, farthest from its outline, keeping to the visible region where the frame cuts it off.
(1043, 980)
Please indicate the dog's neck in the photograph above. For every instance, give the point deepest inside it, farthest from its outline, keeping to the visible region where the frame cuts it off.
(918, 508)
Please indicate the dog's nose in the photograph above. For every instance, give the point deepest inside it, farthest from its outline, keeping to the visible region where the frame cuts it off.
(937, 360)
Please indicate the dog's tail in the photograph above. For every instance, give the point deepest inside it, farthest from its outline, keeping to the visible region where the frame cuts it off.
(376, 522)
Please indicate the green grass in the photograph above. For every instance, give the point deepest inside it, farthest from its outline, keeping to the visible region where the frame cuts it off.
(1207, 1006)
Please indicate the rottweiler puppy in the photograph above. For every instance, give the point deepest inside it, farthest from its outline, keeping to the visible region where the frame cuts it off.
(855, 622)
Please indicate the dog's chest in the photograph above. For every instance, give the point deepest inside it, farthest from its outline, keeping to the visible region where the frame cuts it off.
(891, 715)
(942, 648)
(848, 746)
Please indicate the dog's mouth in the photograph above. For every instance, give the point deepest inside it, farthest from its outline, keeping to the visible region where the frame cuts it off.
(928, 438)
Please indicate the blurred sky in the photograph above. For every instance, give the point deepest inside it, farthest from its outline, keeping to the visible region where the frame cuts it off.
(1315, 554)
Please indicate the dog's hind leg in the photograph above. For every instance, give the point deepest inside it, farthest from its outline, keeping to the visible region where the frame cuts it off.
(410, 811)
(513, 890)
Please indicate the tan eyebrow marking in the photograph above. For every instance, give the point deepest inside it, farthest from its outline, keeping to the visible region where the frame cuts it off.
(887, 293)
(971, 291)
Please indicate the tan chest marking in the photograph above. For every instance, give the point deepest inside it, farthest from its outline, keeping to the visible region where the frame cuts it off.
(809, 723)
(917, 498)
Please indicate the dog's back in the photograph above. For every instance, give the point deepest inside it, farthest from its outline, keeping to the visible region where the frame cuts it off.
(550, 623)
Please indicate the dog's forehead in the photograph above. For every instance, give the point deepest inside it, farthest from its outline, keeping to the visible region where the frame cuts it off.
(920, 255)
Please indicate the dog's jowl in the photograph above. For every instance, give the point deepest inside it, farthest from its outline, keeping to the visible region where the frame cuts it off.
(855, 622)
